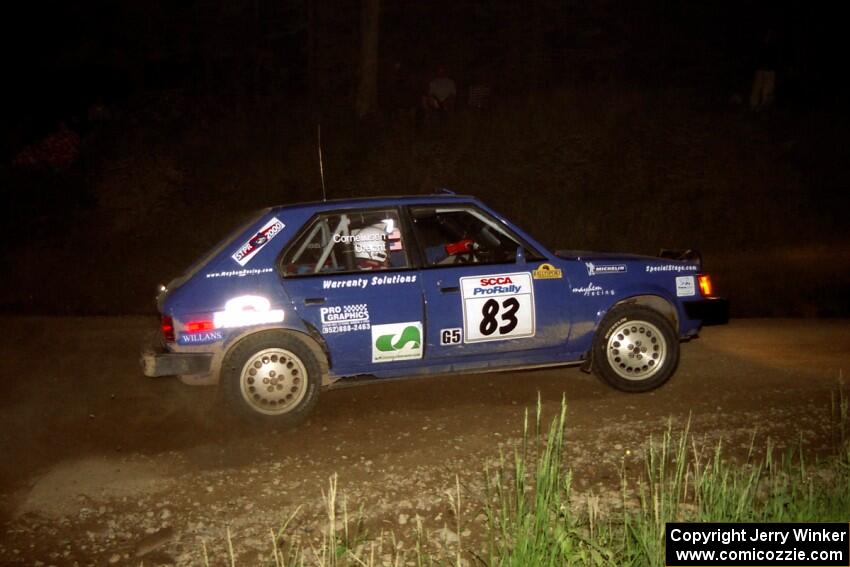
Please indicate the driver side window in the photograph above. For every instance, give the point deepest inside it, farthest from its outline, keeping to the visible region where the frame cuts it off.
(461, 235)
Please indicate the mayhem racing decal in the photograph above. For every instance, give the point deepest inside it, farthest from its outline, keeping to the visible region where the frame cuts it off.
(256, 242)
(600, 269)
(344, 318)
(246, 310)
(547, 272)
(593, 290)
(672, 268)
(397, 341)
(240, 273)
(451, 336)
(685, 286)
(497, 307)
(202, 338)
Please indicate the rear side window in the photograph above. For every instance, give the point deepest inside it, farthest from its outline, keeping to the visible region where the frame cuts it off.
(343, 242)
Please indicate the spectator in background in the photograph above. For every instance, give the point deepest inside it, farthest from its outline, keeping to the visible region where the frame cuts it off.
(764, 80)
(442, 92)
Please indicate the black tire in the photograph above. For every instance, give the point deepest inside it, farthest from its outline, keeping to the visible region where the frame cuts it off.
(635, 349)
(286, 374)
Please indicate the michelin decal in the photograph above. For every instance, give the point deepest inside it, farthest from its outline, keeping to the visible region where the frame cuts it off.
(601, 269)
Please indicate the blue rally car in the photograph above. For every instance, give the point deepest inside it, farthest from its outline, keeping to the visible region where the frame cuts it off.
(322, 294)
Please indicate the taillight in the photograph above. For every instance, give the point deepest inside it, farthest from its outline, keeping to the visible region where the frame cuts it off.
(198, 326)
(705, 286)
(167, 326)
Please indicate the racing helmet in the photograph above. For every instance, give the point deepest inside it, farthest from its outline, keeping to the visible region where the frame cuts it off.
(370, 244)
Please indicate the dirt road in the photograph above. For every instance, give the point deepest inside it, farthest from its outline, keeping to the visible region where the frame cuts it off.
(100, 465)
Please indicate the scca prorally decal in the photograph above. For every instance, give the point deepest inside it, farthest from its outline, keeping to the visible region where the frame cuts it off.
(246, 310)
(497, 307)
(685, 286)
(363, 283)
(240, 273)
(201, 338)
(547, 272)
(344, 318)
(672, 268)
(397, 341)
(254, 244)
(600, 269)
(593, 290)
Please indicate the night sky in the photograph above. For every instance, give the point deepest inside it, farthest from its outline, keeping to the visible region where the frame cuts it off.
(207, 109)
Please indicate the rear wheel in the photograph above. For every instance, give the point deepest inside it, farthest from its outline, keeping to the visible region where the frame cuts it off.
(272, 376)
(635, 349)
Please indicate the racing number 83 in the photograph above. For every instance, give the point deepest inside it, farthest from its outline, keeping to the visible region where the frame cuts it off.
(489, 324)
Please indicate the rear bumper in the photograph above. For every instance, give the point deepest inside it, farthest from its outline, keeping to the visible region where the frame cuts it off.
(155, 364)
(711, 311)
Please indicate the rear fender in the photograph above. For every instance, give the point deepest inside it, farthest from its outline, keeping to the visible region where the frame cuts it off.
(310, 336)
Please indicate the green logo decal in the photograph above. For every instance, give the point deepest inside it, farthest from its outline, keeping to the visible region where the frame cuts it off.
(410, 334)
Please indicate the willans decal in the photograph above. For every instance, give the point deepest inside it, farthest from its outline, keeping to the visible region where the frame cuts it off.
(201, 338)
(254, 244)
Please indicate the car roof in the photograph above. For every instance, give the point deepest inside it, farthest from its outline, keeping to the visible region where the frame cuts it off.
(359, 202)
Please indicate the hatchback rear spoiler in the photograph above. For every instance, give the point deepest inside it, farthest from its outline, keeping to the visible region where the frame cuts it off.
(687, 255)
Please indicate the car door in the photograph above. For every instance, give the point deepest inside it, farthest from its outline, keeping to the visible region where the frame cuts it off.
(486, 290)
(350, 277)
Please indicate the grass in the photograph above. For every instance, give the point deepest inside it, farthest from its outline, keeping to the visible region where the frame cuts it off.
(533, 517)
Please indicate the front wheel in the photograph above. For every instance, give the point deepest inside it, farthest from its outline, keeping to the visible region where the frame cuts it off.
(635, 349)
(272, 376)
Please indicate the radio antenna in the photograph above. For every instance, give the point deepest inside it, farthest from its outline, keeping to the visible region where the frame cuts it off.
(321, 166)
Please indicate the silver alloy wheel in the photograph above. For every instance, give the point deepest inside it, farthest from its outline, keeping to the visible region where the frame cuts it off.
(273, 381)
(636, 350)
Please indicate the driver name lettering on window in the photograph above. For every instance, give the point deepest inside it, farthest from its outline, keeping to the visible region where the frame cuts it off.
(348, 242)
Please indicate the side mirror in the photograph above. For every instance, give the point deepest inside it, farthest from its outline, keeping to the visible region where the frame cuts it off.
(520, 255)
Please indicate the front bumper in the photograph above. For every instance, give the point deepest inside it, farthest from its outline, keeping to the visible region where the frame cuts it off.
(155, 364)
(711, 310)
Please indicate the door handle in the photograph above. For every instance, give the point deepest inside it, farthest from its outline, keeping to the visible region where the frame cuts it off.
(314, 301)
(451, 289)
